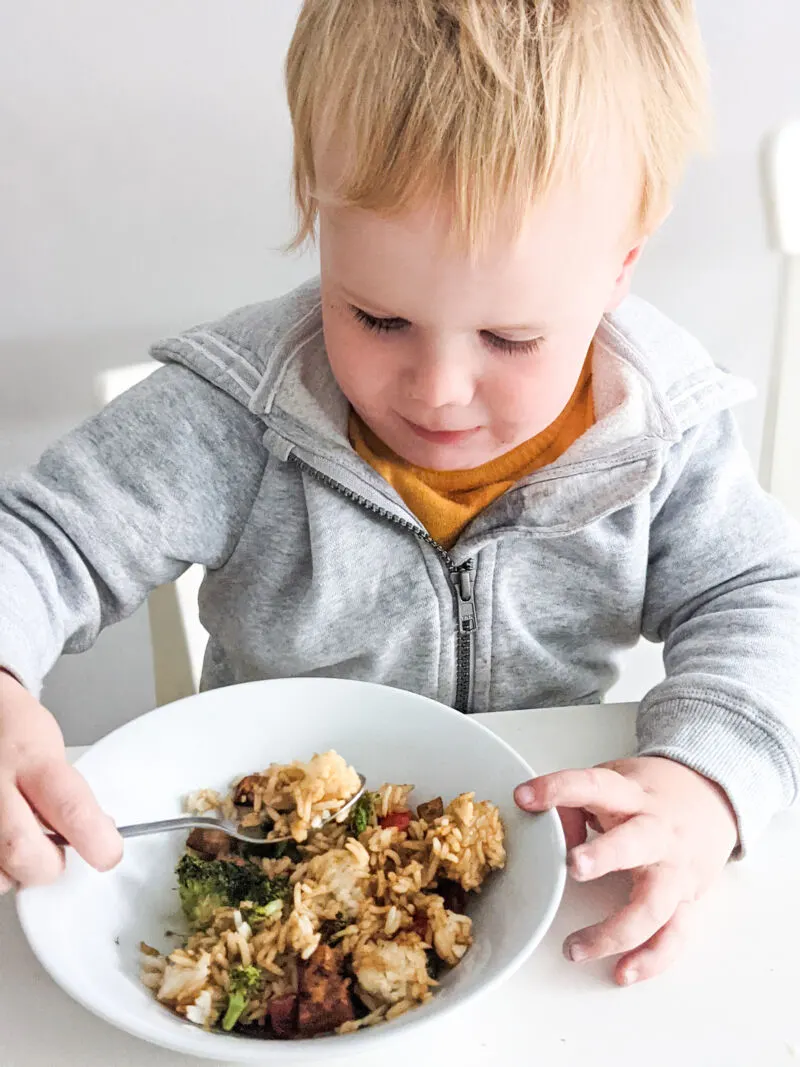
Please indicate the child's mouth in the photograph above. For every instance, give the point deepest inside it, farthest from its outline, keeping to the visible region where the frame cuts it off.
(441, 437)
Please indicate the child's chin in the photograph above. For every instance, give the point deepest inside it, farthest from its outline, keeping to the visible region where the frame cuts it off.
(444, 457)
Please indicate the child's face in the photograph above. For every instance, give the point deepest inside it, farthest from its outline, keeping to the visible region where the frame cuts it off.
(453, 361)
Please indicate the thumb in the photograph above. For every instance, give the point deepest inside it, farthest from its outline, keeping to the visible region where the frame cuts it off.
(63, 799)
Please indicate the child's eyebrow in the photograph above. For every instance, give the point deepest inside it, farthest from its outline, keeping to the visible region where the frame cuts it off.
(369, 305)
(528, 327)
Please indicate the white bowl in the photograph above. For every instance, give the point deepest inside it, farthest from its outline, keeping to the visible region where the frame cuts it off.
(86, 928)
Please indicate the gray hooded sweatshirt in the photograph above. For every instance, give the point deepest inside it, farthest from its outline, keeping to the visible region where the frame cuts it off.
(235, 456)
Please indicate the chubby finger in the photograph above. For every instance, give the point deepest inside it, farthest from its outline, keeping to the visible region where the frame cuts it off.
(5, 884)
(64, 800)
(638, 842)
(26, 856)
(660, 952)
(573, 823)
(654, 900)
(597, 789)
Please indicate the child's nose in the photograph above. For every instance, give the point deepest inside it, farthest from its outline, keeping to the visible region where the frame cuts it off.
(441, 378)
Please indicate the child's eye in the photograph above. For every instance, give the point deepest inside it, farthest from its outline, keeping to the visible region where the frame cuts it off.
(514, 348)
(378, 325)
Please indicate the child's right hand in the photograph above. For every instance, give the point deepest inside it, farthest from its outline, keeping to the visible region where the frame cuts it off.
(35, 779)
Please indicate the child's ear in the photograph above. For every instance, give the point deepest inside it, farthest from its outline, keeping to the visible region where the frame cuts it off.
(622, 286)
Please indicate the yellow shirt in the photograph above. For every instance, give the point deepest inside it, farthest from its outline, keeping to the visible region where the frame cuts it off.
(446, 501)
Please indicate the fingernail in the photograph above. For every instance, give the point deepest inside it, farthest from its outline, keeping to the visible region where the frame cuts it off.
(525, 796)
(581, 865)
(629, 976)
(575, 951)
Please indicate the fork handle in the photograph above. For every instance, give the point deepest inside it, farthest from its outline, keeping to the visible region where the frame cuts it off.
(162, 826)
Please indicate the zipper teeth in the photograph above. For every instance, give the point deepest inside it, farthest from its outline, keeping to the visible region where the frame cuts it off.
(464, 641)
(463, 671)
(423, 535)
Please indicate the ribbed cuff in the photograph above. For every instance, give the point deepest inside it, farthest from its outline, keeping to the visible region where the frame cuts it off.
(750, 754)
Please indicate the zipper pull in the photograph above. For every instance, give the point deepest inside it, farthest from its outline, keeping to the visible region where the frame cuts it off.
(464, 585)
(467, 621)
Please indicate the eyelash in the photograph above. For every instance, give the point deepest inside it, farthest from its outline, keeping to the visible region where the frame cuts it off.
(372, 322)
(511, 348)
(501, 344)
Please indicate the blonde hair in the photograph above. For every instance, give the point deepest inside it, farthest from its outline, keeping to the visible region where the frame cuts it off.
(488, 102)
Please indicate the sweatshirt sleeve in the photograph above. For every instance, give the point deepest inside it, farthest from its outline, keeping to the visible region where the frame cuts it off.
(723, 594)
(162, 478)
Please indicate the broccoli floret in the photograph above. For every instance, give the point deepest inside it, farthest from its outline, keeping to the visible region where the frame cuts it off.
(287, 848)
(205, 885)
(258, 913)
(361, 814)
(201, 889)
(242, 983)
(248, 882)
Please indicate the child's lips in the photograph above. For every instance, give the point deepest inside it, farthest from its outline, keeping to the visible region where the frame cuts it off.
(441, 437)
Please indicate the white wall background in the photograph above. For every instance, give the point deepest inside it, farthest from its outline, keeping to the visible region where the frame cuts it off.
(144, 155)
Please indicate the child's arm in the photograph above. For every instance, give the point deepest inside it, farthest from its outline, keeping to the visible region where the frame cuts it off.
(723, 592)
(162, 478)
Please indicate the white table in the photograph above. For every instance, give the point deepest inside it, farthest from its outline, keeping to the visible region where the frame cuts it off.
(732, 1001)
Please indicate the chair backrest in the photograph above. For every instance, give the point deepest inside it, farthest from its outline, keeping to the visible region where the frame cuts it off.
(781, 441)
(176, 633)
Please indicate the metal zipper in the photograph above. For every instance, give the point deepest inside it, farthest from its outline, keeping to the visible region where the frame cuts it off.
(460, 580)
(467, 623)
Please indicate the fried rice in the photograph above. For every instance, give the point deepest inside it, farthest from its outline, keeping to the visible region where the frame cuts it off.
(352, 925)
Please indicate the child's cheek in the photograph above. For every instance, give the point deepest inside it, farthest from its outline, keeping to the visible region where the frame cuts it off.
(522, 400)
(532, 391)
(351, 355)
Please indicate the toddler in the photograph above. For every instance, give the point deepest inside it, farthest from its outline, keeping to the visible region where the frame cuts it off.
(462, 462)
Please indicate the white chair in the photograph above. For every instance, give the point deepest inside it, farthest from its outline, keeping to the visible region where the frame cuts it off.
(781, 440)
(177, 636)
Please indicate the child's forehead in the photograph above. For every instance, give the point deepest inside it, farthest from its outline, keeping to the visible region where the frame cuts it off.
(577, 234)
(598, 200)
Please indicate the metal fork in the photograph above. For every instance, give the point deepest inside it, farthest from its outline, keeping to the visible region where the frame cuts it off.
(250, 835)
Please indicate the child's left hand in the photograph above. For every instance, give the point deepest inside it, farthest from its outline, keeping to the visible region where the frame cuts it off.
(672, 828)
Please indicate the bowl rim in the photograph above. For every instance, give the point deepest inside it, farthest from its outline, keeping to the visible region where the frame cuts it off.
(225, 1045)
